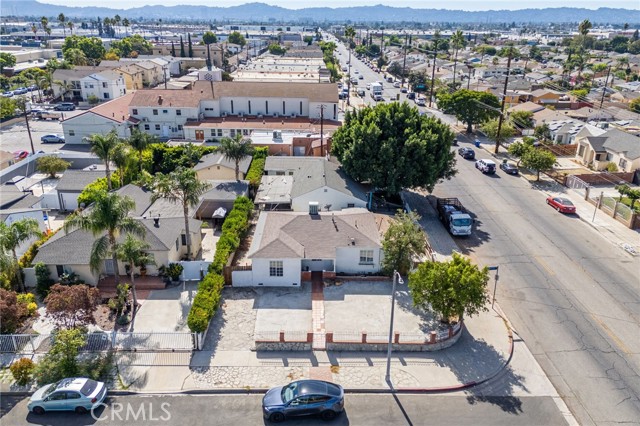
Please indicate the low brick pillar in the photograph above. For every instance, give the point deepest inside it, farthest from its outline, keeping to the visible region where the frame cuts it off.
(305, 276)
(364, 337)
(310, 337)
(328, 337)
(281, 340)
(396, 338)
(432, 337)
(450, 332)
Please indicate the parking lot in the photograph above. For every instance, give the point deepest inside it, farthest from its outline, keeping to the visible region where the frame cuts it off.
(16, 138)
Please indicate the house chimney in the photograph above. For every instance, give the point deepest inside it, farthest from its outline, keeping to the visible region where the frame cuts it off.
(156, 221)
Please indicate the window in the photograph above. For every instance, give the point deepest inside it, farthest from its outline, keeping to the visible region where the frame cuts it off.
(72, 132)
(366, 257)
(275, 268)
(177, 245)
(179, 126)
(105, 95)
(350, 205)
(266, 106)
(219, 132)
(245, 132)
(178, 112)
(300, 107)
(232, 133)
(157, 127)
(213, 132)
(232, 107)
(146, 127)
(73, 395)
(59, 269)
(104, 85)
(284, 111)
(622, 163)
(249, 103)
(134, 111)
(155, 112)
(184, 239)
(164, 111)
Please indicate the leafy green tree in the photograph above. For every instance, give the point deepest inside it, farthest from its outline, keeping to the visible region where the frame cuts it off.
(62, 359)
(104, 146)
(92, 47)
(51, 165)
(518, 149)
(538, 160)
(308, 40)
(276, 49)
(522, 119)
(128, 45)
(535, 53)
(11, 236)
(542, 132)
(7, 107)
(62, 19)
(108, 218)
(237, 38)
(403, 243)
(490, 128)
(12, 313)
(634, 105)
(125, 162)
(393, 147)
(209, 37)
(236, 150)
(140, 141)
(7, 60)
(626, 191)
(181, 187)
(469, 106)
(456, 288)
(132, 250)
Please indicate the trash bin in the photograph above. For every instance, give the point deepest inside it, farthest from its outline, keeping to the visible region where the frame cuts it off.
(398, 97)
(477, 143)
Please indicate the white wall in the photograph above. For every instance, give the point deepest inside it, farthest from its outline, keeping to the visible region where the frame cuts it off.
(83, 271)
(85, 125)
(260, 274)
(330, 110)
(34, 214)
(348, 260)
(338, 200)
(68, 200)
(92, 86)
(50, 201)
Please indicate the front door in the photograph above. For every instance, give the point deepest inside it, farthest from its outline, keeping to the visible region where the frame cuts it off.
(108, 267)
(199, 135)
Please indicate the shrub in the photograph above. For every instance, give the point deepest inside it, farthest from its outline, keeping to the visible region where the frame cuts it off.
(21, 370)
(611, 167)
(43, 280)
(174, 270)
(205, 303)
(12, 313)
(97, 188)
(28, 301)
(27, 258)
(254, 175)
(233, 230)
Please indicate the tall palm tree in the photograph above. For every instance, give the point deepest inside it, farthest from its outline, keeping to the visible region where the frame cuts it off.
(181, 187)
(62, 19)
(457, 43)
(140, 141)
(116, 20)
(34, 29)
(11, 236)
(70, 26)
(103, 146)
(108, 218)
(126, 24)
(132, 250)
(236, 150)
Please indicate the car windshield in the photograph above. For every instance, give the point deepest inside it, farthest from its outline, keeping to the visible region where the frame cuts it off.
(565, 202)
(89, 387)
(52, 388)
(461, 222)
(289, 392)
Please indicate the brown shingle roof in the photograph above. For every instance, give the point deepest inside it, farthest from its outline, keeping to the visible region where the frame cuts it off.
(116, 110)
(317, 92)
(176, 98)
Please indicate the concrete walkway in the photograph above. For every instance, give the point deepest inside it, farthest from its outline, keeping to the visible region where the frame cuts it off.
(317, 312)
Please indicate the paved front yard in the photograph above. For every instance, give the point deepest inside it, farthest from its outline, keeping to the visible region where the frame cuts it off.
(357, 306)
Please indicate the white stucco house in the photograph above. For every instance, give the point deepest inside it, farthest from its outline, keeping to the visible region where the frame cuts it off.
(105, 86)
(288, 244)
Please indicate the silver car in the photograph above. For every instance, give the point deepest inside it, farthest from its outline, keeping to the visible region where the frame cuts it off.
(72, 394)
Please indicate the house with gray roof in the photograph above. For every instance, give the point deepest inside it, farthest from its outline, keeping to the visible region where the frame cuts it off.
(216, 166)
(286, 244)
(71, 252)
(314, 181)
(141, 196)
(219, 199)
(71, 185)
(613, 146)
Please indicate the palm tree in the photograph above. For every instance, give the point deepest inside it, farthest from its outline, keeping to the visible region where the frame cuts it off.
(34, 29)
(349, 33)
(109, 218)
(11, 236)
(140, 141)
(236, 149)
(584, 27)
(44, 23)
(103, 146)
(132, 250)
(62, 19)
(457, 43)
(123, 158)
(183, 187)
(126, 24)
(70, 25)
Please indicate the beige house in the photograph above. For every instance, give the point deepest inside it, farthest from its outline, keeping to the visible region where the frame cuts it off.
(216, 167)
(614, 146)
(545, 97)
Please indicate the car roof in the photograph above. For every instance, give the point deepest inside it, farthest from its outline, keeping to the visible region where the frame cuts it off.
(488, 161)
(563, 200)
(316, 387)
(72, 383)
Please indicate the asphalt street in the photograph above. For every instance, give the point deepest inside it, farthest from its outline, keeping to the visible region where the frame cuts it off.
(16, 138)
(243, 410)
(571, 295)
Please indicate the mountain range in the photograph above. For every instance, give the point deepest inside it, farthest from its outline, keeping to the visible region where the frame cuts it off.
(264, 13)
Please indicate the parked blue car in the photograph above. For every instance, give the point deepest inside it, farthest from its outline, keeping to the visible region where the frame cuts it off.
(73, 394)
(303, 398)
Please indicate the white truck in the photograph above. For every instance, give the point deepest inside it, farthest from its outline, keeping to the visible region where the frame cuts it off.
(454, 216)
(376, 91)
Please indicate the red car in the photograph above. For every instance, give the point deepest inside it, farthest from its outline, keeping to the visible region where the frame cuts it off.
(20, 154)
(561, 204)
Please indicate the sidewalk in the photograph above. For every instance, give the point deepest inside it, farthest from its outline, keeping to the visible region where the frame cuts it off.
(609, 228)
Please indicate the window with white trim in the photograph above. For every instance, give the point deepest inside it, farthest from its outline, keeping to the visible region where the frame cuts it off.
(366, 257)
(276, 269)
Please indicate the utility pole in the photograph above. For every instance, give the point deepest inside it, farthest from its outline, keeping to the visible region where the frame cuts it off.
(26, 121)
(433, 70)
(322, 106)
(504, 99)
(404, 62)
(604, 89)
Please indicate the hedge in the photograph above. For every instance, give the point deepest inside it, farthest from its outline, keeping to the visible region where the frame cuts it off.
(27, 258)
(254, 175)
(205, 303)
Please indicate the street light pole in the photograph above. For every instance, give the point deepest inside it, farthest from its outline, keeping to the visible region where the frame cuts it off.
(396, 274)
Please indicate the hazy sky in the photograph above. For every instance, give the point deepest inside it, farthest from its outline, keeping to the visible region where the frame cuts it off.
(298, 4)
